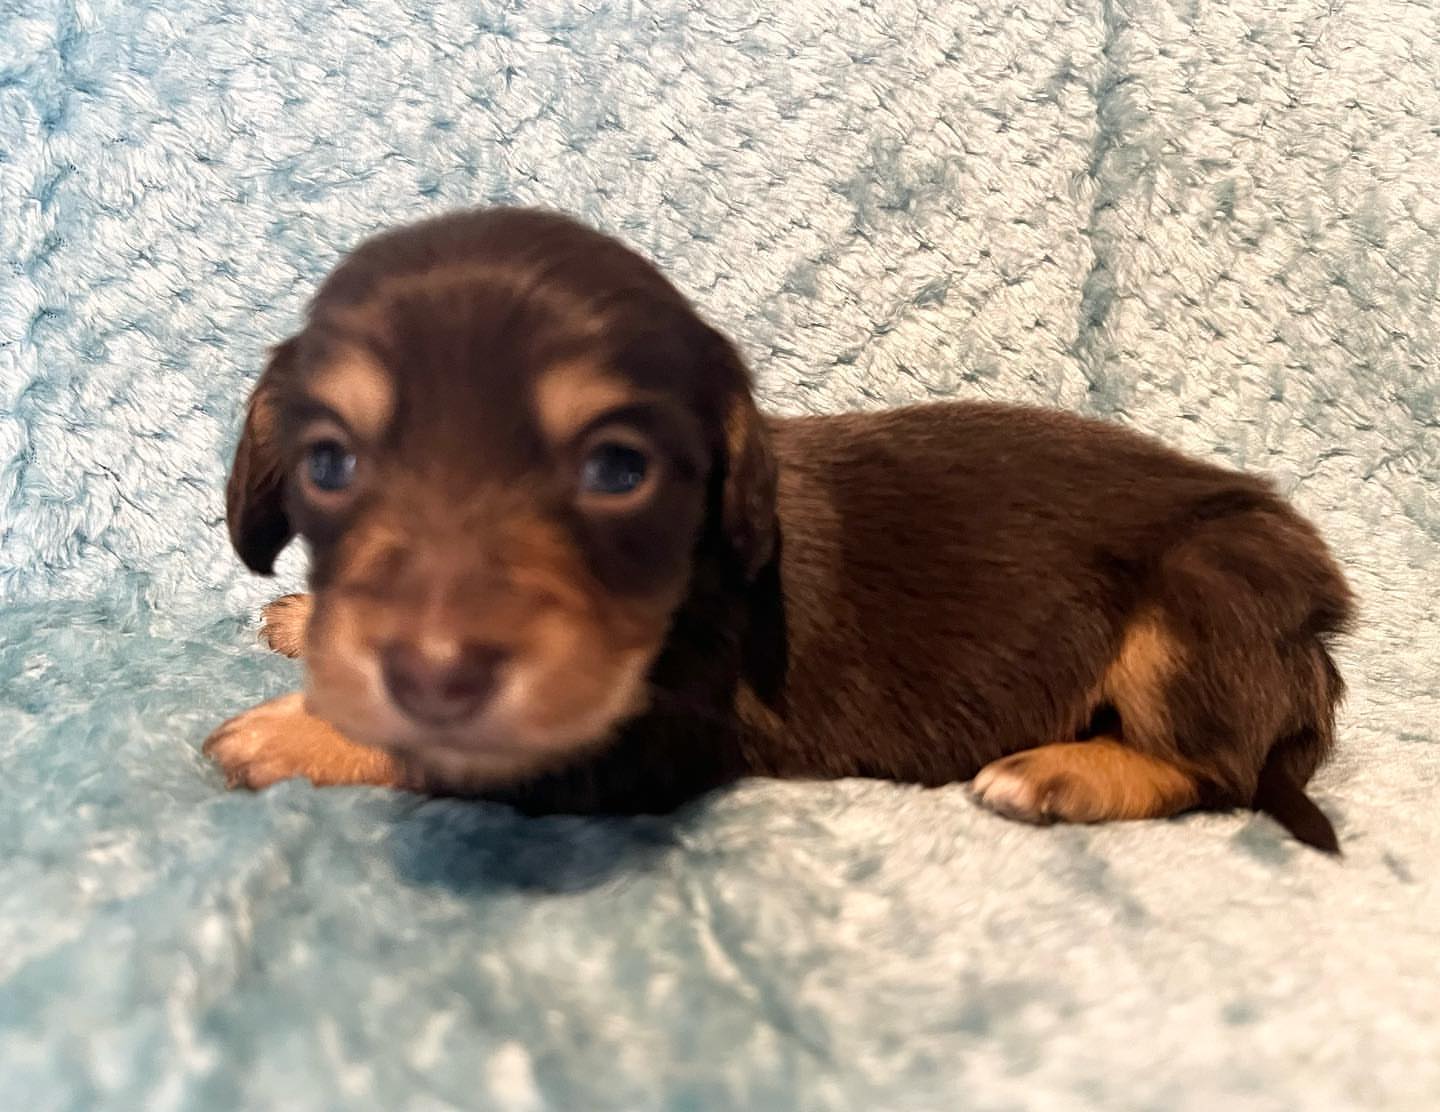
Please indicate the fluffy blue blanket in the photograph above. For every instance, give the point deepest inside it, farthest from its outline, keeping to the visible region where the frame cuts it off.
(1214, 221)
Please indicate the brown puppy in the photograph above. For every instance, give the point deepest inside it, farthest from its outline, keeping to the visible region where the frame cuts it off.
(559, 558)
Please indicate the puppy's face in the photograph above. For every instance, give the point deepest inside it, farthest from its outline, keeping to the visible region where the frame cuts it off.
(503, 436)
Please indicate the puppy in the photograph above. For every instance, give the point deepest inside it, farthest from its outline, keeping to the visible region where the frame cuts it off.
(560, 559)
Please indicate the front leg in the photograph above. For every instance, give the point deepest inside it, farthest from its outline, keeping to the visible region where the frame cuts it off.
(280, 740)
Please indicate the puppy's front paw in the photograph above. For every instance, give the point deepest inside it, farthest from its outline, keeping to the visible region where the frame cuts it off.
(283, 623)
(280, 740)
(1086, 781)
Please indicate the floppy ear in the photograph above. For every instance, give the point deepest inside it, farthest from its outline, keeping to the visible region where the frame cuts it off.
(748, 499)
(255, 493)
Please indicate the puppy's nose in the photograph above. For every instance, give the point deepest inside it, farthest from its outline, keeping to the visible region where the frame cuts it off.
(440, 684)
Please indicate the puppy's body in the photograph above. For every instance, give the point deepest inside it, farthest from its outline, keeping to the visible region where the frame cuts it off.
(965, 581)
(1105, 627)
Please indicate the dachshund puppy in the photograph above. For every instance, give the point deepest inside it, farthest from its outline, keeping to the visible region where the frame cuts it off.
(559, 558)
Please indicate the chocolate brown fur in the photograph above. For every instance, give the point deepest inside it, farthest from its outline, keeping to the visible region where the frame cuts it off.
(911, 594)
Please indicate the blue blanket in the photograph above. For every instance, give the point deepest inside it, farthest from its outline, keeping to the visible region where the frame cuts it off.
(1218, 222)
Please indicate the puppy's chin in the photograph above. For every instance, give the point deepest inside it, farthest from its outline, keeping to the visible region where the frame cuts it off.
(518, 735)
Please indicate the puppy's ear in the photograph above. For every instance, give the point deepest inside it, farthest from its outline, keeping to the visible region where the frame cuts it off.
(255, 494)
(748, 506)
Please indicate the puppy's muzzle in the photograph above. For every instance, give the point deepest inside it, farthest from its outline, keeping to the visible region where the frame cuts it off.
(440, 683)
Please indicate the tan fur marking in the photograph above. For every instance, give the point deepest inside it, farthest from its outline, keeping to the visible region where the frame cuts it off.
(570, 395)
(1135, 683)
(283, 624)
(1084, 781)
(575, 666)
(356, 387)
(280, 740)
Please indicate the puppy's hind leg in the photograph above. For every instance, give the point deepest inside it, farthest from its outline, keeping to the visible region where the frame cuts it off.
(283, 624)
(1254, 599)
(1136, 773)
(1099, 780)
(1223, 686)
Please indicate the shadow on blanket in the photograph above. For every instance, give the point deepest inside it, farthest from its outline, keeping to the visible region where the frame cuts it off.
(466, 846)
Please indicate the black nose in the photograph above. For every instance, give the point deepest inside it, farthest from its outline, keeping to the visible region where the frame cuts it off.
(440, 685)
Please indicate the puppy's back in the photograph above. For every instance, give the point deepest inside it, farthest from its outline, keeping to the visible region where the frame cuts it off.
(1011, 488)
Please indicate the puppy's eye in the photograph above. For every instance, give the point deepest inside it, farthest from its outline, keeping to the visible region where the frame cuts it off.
(613, 469)
(329, 466)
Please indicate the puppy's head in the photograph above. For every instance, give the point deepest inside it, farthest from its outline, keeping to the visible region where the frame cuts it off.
(504, 437)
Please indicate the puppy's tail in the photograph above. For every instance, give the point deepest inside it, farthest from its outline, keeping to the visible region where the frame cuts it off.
(1281, 795)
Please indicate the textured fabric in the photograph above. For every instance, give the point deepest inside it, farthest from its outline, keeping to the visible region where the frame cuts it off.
(1215, 221)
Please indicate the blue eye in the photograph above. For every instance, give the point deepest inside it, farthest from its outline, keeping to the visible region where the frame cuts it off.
(330, 466)
(613, 469)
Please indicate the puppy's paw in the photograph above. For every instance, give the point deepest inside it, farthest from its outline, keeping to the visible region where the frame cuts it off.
(280, 740)
(1007, 788)
(283, 623)
(1086, 781)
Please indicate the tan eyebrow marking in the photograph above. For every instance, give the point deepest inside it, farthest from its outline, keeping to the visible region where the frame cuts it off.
(358, 389)
(570, 395)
